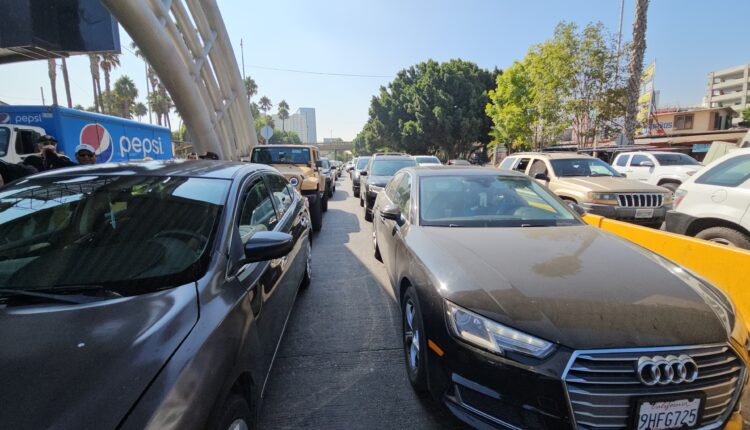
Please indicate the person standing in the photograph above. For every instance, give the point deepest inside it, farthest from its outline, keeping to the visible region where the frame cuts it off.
(85, 154)
(48, 158)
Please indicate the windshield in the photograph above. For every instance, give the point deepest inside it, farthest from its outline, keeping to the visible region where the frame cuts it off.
(489, 201)
(325, 163)
(428, 160)
(281, 155)
(582, 167)
(390, 167)
(131, 234)
(362, 162)
(676, 159)
(4, 138)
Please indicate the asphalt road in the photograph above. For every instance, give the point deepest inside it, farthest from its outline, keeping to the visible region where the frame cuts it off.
(340, 364)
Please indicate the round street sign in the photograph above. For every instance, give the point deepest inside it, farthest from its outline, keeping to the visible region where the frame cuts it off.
(266, 132)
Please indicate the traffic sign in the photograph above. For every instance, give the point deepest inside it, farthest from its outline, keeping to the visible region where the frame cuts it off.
(266, 132)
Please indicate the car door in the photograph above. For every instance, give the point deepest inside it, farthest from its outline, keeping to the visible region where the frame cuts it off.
(264, 280)
(396, 253)
(638, 172)
(723, 191)
(621, 163)
(385, 227)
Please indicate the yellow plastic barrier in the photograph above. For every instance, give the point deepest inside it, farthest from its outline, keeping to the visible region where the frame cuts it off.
(721, 265)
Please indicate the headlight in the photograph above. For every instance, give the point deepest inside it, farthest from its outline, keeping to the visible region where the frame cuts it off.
(603, 198)
(489, 335)
(375, 188)
(668, 198)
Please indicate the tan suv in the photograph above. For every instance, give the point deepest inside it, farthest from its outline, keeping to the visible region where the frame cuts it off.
(300, 165)
(594, 185)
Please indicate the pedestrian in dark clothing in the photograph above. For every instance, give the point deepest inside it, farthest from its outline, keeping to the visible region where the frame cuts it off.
(11, 172)
(48, 158)
(209, 156)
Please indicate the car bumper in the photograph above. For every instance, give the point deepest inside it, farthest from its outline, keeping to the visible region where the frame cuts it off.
(627, 214)
(678, 222)
(370, 199)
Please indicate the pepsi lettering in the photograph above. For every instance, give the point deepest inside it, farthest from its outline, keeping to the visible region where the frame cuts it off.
(141, 147)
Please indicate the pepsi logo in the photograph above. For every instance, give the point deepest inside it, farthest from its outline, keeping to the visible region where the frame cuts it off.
(4, 118)
(98, 137)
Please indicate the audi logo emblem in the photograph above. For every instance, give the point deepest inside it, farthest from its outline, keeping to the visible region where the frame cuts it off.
(294, 182)
(666, 370)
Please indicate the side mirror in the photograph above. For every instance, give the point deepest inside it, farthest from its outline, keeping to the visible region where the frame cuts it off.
(646, 164)
(318, 163)
(267, 245)
(363, 173)
(577, 208)
(541, 176)
(391, 212)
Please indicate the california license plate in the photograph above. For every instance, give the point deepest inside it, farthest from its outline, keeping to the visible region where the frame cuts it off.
(644, 213)
(654, 414)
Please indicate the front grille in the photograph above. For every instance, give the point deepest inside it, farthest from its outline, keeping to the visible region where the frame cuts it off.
(640, 200)
(603, 387)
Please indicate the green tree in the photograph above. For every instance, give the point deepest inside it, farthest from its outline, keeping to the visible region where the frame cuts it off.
(265, 104)
(285, 138)
(79, 107)
(140, 110)
(746, 115)
(283, 113)
(123, 97)
(251, 88)
(431, 107)
(260, 122)
(511, 109)
(108, 62)
(161, 105)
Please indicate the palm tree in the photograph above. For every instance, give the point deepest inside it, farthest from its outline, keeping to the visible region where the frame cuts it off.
(109, 61)
(66, 81)
(283, 113)
(52, 72)
(124, 95)
(95, 81)
(635, 68)
(140, 110)
(265, 104)
(251, 88)
(153, 80)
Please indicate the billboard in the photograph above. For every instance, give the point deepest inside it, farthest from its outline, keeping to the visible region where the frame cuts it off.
(646, 102)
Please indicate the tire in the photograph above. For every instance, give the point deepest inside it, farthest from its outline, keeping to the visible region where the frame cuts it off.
(725, 236)
(233, 414)
(368, 214)
(324, 200)
(361, 201)
(316, 215)
(355, 192)
(412, 329)
(307, 277)
(671, 186)
(329, 190)
(375, 245)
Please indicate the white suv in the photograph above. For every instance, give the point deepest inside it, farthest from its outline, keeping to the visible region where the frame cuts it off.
(714, 204)
(666, 169)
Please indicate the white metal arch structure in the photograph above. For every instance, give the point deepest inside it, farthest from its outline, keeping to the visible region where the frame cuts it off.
(187, 44)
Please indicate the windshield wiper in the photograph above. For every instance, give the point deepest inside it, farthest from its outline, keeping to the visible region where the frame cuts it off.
(77, 299)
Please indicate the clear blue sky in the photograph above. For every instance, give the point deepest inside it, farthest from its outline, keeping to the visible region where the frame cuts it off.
(687, 38)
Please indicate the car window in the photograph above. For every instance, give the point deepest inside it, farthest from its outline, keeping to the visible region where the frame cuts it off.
(622, 160)
(637, 159)
(4, 139)
(280, 155)
(522, 164)
(428, 160)
(538, 166)
(729, 173)
(403, 195)
(676, 159)
(507, 163)
(568, 167)
(362, 162)
(380, 167)
(256, 211)
(280, 191)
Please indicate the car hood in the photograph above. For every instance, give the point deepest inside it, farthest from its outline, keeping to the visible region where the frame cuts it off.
(298, 170)
(378, 181)
(85, 366)
(577, 286)
(610, 184)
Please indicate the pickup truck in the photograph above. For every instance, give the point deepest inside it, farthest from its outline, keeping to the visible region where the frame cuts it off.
(665, 169)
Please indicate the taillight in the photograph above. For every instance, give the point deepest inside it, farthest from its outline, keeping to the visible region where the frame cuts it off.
(678, 196)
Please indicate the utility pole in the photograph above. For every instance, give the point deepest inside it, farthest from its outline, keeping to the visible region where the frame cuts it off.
(41, 89)
(148, 93)
(242, 53)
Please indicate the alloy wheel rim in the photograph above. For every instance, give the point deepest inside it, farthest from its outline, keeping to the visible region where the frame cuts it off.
(238, 424)
(411, 337)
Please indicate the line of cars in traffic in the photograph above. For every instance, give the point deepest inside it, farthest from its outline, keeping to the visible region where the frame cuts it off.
(517, 314)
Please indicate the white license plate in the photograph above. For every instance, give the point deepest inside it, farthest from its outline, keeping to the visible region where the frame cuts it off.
(644, 213)
(672, 414)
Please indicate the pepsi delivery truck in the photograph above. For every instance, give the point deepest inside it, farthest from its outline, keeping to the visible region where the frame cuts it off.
(114, 139)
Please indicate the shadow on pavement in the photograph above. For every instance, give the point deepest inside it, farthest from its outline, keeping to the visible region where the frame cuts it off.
(340, 364)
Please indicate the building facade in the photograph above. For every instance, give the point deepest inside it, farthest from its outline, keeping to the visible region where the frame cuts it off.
(301, 122)
(729, 88)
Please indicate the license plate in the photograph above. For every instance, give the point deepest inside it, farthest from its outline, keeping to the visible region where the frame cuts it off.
(654, 414)
(644, 213)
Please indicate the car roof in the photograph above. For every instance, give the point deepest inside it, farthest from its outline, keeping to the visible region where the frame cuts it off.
(461, 170)
(183, 168)
(649, 152)
(550, 155)
(393, 157)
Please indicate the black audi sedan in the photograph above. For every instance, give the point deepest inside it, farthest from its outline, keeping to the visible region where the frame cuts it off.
(517, 314)
(380, 169)
(148, 295)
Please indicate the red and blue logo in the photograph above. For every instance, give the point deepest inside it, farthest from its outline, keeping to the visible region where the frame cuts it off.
(98, 137)
(4, 118)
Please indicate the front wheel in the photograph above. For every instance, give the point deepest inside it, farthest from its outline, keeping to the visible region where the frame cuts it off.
(307, 277)
(325, 202)
(233, 415)
(355, 192)
(725, 236)
(414, 341)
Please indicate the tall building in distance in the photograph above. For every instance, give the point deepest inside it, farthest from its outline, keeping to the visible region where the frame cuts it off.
(728, 88)
(301, 122)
